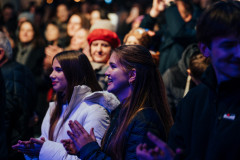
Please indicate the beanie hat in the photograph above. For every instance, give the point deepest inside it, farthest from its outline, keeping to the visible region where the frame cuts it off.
(27, 15)
(103, 24)
(104, 34)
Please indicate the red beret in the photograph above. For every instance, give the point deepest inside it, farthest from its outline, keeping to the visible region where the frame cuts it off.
(106, 35)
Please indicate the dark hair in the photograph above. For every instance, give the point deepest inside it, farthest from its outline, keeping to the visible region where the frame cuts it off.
(8, 5)
(51, 22)
(198, 64)
(220, 19)
(37, 40)
(77, 71)
(84, 20)
(148, 91)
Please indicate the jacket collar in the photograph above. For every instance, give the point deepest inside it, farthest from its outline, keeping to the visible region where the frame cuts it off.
(83, 93)
(108, 100)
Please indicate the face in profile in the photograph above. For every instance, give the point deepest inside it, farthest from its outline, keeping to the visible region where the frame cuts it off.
(100, 51)
(57, 76)
(118, 79)
(74, 24)
(26, 32)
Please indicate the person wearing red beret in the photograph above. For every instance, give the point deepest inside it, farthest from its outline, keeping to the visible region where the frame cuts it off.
(101, 42)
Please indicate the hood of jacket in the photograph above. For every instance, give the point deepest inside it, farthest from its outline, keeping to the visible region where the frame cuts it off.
(108, 100)
(83, 93)
(183, 63)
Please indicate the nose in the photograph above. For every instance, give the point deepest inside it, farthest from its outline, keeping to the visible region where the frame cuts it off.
(52, 75)
(107, 73)
(99, 48)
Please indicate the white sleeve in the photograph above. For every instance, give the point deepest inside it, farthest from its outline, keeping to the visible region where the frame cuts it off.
(54, 151)
(93, 116)
(97, 118)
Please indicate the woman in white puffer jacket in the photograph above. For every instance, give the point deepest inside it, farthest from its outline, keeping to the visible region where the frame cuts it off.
(79, 97)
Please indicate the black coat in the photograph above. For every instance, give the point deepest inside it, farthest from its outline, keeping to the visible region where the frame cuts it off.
(175, 78)
(3, 144)
(20, 102)
(174, 36)
(208, 119)
(35, 63)
(146, 120)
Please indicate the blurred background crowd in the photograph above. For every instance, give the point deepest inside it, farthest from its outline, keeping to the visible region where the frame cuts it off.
(38, 30)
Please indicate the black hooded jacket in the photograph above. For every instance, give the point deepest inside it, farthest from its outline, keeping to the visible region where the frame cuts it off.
(208, 119)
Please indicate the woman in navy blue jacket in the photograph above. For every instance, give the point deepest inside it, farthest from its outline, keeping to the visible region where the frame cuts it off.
(135, 80)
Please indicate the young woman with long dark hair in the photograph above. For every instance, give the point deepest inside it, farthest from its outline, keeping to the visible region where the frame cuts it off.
(78, 97)
(135, 80)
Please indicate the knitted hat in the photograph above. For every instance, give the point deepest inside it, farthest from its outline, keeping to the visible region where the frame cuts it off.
(27, 15)
(103, 24)
(104, 34)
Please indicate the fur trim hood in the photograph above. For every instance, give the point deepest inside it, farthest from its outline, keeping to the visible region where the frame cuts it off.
(83, 93)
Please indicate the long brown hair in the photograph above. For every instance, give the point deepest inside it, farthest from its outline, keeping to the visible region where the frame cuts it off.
(148, 90)
(77, 71)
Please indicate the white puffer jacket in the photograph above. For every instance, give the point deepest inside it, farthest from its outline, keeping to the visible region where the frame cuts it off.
(89, 109)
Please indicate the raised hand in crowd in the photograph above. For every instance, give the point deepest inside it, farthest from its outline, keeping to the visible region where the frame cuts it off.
(157, 7)
(161, 152)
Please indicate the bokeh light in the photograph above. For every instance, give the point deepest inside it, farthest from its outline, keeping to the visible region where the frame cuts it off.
(49, 1)
(108, 1)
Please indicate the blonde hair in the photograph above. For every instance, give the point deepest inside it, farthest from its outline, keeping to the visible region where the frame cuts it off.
(141, 35)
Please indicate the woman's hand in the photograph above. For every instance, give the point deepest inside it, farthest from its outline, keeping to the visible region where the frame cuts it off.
(79, 135)
(69, 146)
(31, 148)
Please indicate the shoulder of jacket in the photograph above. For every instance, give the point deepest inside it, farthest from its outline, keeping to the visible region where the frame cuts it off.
(107, 100)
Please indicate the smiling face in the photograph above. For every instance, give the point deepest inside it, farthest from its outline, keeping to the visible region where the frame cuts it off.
(58, 78)
(26, 32)
(225, 57)
(100, 51)
(74, 24)
(118, 78)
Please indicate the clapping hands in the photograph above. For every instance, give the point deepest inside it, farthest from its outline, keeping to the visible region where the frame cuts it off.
(78, 138)
(31, 148)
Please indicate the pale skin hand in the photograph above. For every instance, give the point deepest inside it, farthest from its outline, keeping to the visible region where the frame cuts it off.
(31, 148)
(52, 50)
(157, 7)
(134, 13)
(161, 152)
(79, 137)
(69, 146)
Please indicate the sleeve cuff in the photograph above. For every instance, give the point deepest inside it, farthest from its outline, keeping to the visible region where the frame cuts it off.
(87, 150)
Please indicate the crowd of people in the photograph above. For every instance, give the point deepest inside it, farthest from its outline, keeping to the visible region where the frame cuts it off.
(143, 82)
